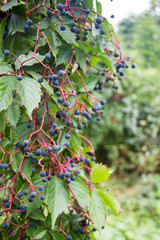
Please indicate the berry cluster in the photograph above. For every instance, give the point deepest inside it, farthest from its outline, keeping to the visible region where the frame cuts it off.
(59, 117)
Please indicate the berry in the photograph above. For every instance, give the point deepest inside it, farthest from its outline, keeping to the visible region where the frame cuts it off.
(55, 76)
(79, 126)
(54, 125)
(19, 194)
(38, 152)
(82, 159)
(26, 192)
(6, 52)
(77, 171)
(73, 178)
(42, 173)
(42, 197)
(48, 56)
(26, 149)
(112, 16)
(77, 112)
(87, 11)
(85, 33)
(33, 194)
(22, 206)
(67, 144)
(89, 117)
(68, 180)
(31, 154)
(29, 22)
(94, 229)
(31, 224)
(4, 226)
(63, 12)
(44, 153)
(103, 102)
(99, 20)
(14, 94)
(63, 27)
(66, 104)
(60, 6)
(93, 158)
(61, 72)
(103, 31)
(51, 131)
(55, 147)
(49, 148)
(44, 179)
(133, 66)
(98, 118)
(40, 187)
(67, 136)
(18, 144)
(84, 122)
(26, 27)
(61, 175)
(1, 213)
(69, 237)
(73, 24)
(121, 73)
(33, 170)
(49, 12)
(19, 77)
(67, 174)
(30, 199)
(60, 99)
(87, 160)
(84, 38)
(97, 26)
(78, 31)
(29, 125)
(26, 142)
(40, 80)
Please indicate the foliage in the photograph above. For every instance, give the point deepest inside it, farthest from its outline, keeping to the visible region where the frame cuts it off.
(53, 56)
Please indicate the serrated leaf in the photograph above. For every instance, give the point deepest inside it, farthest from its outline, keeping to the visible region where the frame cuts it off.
(110, 200)
(27, 168)
(81, 193)
(32, 61)
(97, 210)
(7, 85)
(37, 215)
(58, 198)
(57, 235)
(17, 158)
(9, 5)
(2, 30)
(2, 121)
(64, 54)
(40, 232)
(99, 7)
(99, 173)
(89, 82)
(26, 88)
(89, 4)
(13, 114)
(67, 35)
(5, 68)
(105, 59)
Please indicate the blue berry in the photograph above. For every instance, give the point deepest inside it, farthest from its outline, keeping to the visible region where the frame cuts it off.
(67, 136)
(77, 112)
(60, 6)
(33, 194)
(97, 26)
(73, 178)
(61, 72)
(93, 158)
(14, 94)
(112, 16)
(19, 194)
(79, 126)
(18, 144)
(78, 31)
(42, 197)
(31, 154)
(48, 56)
(69, 237)
(61, 175)
(40, 187)
(54, 125)
(67, 174)
(6, 52)
(55, 76)
(26, 27)
(4, 226)
(38, 152)
(99, 20)
(60, 99)
(29, 22)
(82, 159)
(33, 170)
(98, 118)
(1, 213)
(26, 149)
(49, 12)
(63, 12)
(63, 27)
(40, 80)
(87, 11)
(44, 179)
(19, 77)
(22, 206)
(66, 104)
(49, 148)
(26, 192)
(42, 173)
(73, 24)
(31, 224)
(26, 142)
(103, 102)
(67, 144)
(44, 153)
(68, 180)
(84, 122)
(103, 31)
(30, 199)
(77, 171)
(51, 131)
(133, 66)
(29, 125)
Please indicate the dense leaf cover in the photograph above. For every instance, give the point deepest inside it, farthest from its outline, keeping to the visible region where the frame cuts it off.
(53, 57)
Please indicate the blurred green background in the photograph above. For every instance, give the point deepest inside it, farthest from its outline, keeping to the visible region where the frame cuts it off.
(127, 138)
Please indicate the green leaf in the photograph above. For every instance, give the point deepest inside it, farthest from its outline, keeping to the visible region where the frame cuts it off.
(2, 121)
(2, 30)
(13, 114)
(17, 158)
(81, 58)
(64, 54)
(32, 61)
(27, 168)
(110, 200)
(99, 173)
(57, 235)
(105, 59)
(97, 210)
(7, 85)
(5, 68)
(9, 5)
(26, 88)
(89, 4)
(58, 198)
(81, 193)
(67, 35)
(89, 82)
(37, 215)
(99, 7)
(40, 232)
(44, 83)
